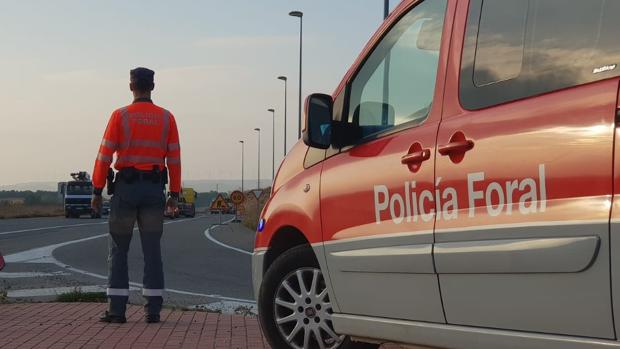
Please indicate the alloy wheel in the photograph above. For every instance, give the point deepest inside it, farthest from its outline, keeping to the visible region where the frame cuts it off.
(303, 311)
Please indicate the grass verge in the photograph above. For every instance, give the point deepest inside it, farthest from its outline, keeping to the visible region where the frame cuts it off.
(250, 219)
(253, 209)
(26, 211)
(77, 296)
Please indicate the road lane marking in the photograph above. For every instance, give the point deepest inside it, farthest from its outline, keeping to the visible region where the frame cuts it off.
(215, 241)
(65, 226)
(55, 291)
(17, 275)
(45, 255)
(137, 284)
(50, 228)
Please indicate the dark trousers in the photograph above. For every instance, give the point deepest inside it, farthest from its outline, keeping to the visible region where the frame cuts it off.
(141, 201)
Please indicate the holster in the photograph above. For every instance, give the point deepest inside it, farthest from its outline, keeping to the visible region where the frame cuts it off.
(110, 180)
(164, 177)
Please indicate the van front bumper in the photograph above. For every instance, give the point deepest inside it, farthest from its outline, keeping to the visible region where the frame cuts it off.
(258, 260)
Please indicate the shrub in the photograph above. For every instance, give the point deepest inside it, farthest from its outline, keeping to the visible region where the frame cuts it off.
(77, 296)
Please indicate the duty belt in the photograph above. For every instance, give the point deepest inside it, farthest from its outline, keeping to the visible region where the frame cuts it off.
(131, 174)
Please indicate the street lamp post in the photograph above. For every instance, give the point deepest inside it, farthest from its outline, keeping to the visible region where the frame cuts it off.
(299, 15)
(283, 78)
(242, 156)
(258, 177)
(273, 147)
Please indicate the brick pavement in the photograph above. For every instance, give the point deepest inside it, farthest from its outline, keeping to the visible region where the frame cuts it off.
(75, 325)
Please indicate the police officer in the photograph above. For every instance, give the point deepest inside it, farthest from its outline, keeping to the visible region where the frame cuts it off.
(145, 139)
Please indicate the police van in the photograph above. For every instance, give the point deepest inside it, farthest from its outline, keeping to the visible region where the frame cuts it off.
(458, 189)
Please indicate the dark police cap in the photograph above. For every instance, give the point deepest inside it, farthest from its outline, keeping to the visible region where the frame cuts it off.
(142, 75)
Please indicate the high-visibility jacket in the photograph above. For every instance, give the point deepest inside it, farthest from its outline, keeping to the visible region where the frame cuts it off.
(142, 135)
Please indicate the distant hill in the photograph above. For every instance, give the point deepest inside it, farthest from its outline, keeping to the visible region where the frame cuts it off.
(32, 186)
(205, 185)
(224, 185)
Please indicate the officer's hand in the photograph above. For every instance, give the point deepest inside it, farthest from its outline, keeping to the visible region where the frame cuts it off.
(171, 204)
(96, 203)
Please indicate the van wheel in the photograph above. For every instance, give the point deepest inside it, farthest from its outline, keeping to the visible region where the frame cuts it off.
(294, 306)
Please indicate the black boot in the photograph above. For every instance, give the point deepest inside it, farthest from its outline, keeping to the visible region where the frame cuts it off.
(151, 318)
(112, 319)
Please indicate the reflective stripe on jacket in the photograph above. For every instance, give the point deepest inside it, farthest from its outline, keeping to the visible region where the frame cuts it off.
(142, 135)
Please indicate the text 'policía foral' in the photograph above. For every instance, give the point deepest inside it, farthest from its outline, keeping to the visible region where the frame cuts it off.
(498, 198)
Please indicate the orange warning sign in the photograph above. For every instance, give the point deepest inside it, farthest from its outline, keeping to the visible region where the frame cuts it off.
(219, 204)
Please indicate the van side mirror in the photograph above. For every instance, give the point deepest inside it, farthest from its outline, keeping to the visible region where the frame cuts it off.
(318, 131)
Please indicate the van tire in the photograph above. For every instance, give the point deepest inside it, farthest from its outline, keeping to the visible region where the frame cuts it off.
(297, 258)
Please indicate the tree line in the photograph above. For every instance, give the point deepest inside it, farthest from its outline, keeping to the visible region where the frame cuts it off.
(29, 198)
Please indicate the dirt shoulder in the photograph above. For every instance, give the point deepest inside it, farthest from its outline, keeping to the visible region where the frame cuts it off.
(28, 211)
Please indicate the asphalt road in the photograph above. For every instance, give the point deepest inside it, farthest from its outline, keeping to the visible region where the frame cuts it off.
(48, 254)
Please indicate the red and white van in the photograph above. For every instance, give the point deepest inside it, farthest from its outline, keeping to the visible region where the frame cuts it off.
(457, 189)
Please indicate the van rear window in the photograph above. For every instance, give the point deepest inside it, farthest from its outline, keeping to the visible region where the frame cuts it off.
(518, 49)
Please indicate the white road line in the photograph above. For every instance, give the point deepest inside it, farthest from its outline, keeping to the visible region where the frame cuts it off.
(5, 275)
(44, 255)
(136, 284)
(49, 228)
(210, 237)
(55, 291)
(60, 227)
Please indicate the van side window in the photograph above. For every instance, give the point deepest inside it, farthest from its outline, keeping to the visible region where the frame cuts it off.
(518, 49)
(397, 82)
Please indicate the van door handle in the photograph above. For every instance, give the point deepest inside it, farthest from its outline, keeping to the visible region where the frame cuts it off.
(456, 147)
(416, 157)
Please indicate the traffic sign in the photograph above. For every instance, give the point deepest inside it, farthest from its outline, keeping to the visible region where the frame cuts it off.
(237, 197)
(219, 203)
(257, 193)
(241, 210)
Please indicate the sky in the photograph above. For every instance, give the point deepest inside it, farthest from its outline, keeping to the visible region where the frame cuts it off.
(64, 67)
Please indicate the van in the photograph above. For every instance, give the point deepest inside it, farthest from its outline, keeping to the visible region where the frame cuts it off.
(457, 190)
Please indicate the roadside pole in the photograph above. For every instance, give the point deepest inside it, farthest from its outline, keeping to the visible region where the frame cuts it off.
(237, 198)
(219, 205)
